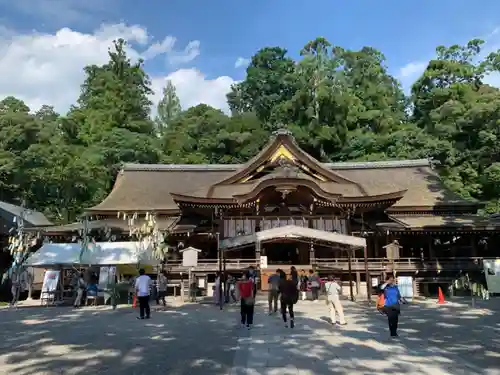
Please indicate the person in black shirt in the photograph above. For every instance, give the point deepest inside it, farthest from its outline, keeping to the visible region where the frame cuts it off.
(289, 295)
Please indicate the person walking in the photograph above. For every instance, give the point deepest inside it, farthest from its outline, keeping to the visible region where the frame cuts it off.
(333, 291)
(289, 294)
(231, 282)
(161, 284)
(247, 296)
(273, 284)
(303, 284)
(392, 307)
(143, 289)
(217, 288)
(80, 288)
(294, 276)
(315, 282)
(252, 275)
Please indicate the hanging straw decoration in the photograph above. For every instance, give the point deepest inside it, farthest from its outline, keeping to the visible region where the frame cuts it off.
(146, 234)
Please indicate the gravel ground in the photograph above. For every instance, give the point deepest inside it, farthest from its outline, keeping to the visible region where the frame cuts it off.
(193, 339)
(199, 339)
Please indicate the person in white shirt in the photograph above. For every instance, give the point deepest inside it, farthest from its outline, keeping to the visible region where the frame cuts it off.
(333, 291)
(143, 289)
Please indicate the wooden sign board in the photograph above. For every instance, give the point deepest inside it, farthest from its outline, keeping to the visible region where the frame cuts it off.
(392, 250)
(190, 257)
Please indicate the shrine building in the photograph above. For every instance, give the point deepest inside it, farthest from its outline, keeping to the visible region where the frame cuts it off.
(283, 208)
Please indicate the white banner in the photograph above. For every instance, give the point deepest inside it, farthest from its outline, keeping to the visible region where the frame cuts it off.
(492, 274)
(263, 262)
(106, 277)
(405, 285)
(50, 282)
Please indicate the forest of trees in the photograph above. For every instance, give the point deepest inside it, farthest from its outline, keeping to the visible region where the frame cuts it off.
(340, 105)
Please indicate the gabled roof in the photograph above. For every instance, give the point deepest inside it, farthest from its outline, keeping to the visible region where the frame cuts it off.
(283, 145)
(412, 184)
(31, 218)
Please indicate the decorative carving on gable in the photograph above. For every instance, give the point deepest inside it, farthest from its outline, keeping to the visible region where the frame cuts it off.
(282, 131)
(286, 168)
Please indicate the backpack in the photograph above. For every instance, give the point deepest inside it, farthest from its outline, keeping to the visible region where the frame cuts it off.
(380, 301)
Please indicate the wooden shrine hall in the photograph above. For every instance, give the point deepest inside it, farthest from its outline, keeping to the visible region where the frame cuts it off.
(432, 234)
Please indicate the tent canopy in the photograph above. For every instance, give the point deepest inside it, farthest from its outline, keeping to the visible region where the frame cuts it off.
(291, 232)
(100, 253)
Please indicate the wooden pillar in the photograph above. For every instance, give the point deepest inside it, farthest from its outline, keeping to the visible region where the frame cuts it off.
(358, 283)
(349, 260)
(257, 251)
(432, 254)
(426, 289)
(312, 258)
(473, 244)
(367, 274)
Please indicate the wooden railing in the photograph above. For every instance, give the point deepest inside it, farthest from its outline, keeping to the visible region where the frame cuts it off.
(402, 264)
(213, 264)
(357, 264)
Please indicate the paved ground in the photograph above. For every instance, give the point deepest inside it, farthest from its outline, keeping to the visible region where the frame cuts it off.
(200, 339)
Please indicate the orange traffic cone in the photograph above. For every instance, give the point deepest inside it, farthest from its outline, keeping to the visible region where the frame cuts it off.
(134, 301)
(440, 296)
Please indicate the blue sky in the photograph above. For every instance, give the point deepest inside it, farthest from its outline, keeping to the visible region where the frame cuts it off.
(405, 31)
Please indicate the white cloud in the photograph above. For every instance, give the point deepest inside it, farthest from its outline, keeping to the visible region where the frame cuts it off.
(412, 69)
(194, 88)
(409, 73)
(189, 53)
(44, 68)
(493, 79)
(155, 49)
(241, 62)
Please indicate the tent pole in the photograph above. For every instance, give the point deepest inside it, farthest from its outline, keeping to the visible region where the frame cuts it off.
(219, 250)
(368, 278)
(349, 260)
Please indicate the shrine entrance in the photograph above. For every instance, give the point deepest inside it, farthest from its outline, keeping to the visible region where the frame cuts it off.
(286, 252)
(272, 242)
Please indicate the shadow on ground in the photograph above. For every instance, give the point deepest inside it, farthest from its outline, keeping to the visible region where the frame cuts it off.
(200, 339)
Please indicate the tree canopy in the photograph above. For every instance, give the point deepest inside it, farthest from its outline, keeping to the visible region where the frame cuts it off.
(340, 104)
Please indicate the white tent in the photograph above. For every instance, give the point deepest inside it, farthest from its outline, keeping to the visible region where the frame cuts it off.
(100, 253)
(291, 232)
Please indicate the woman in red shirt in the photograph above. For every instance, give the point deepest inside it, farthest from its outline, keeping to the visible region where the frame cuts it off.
(246, 290)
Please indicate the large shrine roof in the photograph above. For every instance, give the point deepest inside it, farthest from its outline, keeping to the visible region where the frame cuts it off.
(281, 165)
(148, 187)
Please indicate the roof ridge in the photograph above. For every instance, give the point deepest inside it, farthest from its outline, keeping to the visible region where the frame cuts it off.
(233, 167)
(380, 164)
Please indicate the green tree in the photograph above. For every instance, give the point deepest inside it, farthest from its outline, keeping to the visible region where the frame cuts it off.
(323, 107)
(383, 101)
(112, 115)
(269, 81)
(453, 104)
(203, 134)
(168, 108)
(18, 131)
